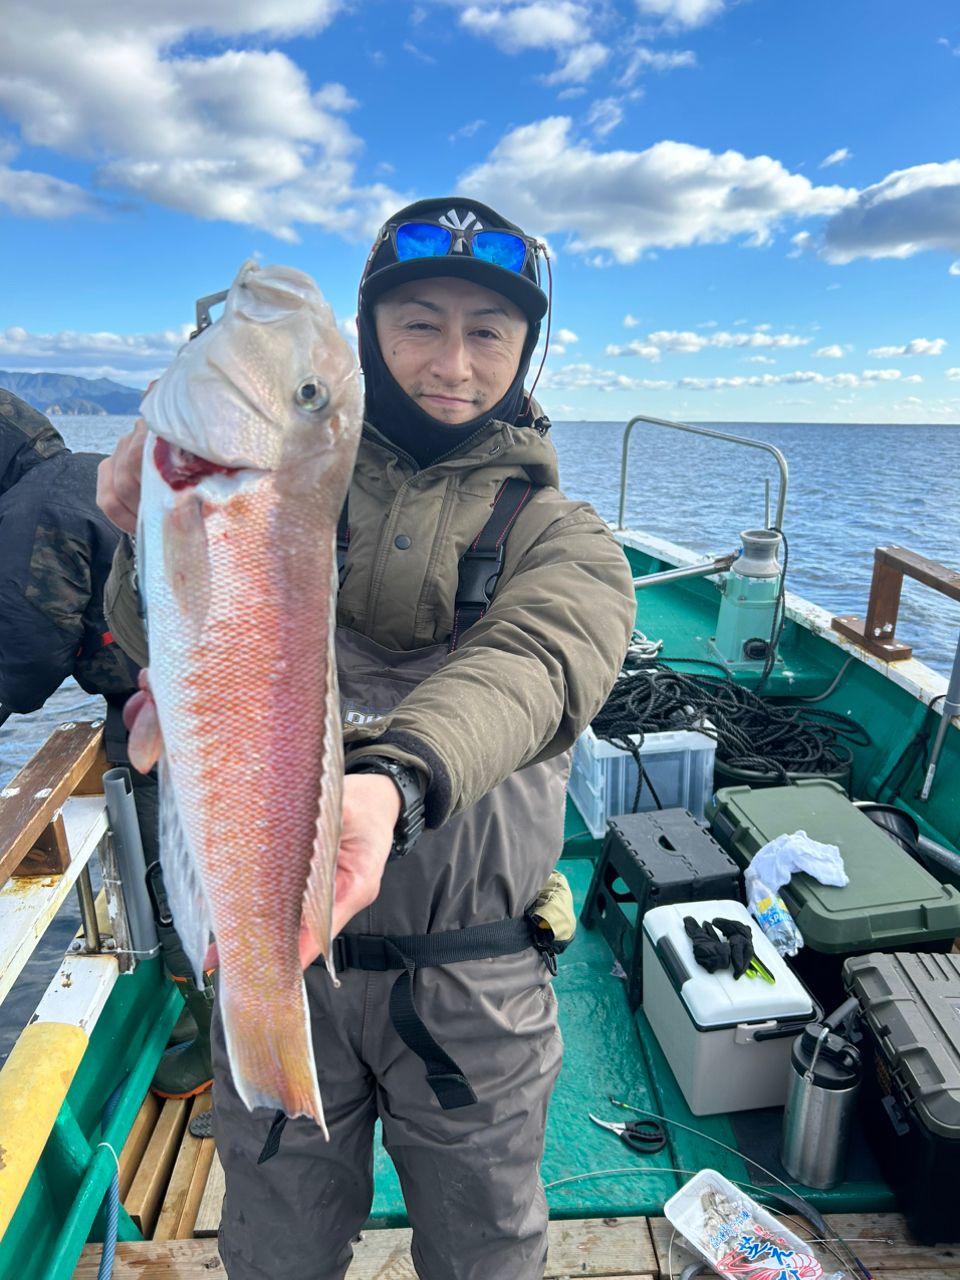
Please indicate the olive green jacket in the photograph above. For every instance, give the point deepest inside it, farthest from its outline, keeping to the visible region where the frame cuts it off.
(526, 679)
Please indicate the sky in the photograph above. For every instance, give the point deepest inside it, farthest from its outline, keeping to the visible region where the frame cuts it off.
(751, 207)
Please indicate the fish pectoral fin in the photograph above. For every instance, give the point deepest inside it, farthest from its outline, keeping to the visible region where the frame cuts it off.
(181, 879)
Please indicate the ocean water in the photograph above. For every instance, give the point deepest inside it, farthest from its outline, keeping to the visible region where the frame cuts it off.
(851, 489)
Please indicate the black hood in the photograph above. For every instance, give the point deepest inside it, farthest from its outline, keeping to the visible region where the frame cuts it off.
(387, 406)
(26, 438)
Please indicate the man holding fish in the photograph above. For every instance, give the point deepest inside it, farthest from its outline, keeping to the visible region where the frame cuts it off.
(477, 619)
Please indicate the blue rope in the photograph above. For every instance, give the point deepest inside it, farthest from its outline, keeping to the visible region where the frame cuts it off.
(112, 1223)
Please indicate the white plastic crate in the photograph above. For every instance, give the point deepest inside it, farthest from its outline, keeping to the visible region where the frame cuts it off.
(603, 779)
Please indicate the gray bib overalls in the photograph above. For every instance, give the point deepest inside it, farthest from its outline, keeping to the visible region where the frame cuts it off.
(470, 1176)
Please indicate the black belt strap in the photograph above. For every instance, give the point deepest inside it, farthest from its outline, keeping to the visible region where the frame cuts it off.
(381, 952)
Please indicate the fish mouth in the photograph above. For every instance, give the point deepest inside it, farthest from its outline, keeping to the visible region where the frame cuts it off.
(182, 469)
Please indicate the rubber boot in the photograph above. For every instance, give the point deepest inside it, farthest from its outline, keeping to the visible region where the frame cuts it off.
(184, 1029)
(186, 1069)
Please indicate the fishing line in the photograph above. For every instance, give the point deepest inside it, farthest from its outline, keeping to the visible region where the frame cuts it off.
(697, 1133)
(744, 1186)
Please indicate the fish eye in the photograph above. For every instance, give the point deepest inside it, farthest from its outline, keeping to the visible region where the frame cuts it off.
(312, 394)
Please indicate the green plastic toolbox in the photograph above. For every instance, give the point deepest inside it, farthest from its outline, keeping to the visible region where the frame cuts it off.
(891, 902)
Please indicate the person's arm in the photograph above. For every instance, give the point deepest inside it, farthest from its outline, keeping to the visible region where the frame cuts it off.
(118, 496)
(42, 627)
(527, 678)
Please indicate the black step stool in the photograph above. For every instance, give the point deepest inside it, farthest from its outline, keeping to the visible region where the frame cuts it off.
(650, 860)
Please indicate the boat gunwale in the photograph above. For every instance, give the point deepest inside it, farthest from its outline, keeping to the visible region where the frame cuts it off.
(910, 674)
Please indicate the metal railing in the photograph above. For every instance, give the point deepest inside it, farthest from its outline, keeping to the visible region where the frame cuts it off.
(714, 435)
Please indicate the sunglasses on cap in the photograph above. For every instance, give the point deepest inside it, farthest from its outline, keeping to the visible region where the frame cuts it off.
(506, 249)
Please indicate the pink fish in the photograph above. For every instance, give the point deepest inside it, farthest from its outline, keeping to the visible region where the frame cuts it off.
(254, 430)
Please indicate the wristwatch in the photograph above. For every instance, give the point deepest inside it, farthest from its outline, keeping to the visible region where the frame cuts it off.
(411, 785)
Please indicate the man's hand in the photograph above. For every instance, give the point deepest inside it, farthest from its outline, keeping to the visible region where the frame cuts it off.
(118, 479)
(371, 806)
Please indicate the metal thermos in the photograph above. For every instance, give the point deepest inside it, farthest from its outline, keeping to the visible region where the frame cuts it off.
(824, 1080)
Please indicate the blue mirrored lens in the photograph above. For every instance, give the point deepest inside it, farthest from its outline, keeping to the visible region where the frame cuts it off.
(501, 248)
(422, 240)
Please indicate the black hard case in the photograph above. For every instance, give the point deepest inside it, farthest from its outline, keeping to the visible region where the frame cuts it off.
(910, 1100)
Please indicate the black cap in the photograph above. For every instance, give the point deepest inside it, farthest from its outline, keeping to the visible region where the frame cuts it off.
(383, 271)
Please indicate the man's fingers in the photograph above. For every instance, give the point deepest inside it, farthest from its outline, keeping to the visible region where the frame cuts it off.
(118, 479)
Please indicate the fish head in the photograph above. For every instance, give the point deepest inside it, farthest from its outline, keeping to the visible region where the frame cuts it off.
(271, 385)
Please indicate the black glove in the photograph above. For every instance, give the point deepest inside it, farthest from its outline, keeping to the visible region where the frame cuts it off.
(709, 949)
(740, 938)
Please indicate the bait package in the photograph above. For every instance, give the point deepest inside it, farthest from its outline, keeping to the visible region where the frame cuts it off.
(740, 1239)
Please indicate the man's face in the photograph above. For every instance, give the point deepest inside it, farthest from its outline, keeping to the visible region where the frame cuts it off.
(453, 346)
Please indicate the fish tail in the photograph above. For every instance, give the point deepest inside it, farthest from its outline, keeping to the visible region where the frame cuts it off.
(272, 1061)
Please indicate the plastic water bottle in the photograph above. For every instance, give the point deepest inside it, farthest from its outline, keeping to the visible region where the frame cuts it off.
(774, 918)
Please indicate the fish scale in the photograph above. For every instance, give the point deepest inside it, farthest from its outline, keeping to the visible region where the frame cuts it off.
(238, 572)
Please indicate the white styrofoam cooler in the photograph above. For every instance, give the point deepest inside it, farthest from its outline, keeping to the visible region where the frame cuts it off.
(727, 1041)
(603, 778)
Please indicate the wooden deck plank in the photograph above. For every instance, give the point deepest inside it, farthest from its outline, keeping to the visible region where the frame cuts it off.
(613, 1248)
(151, 1179)
(136, 1143)
(208, 1215)
(198, 1186)
(880, 1240)
(182, 1179)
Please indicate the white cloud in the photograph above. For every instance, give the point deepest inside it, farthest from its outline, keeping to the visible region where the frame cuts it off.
(758, 360)
(799, 377)
(604, 116)
(915, 347)
(686, 342)
(682, 13)
(539, 25)
(467, 130)
(833, 352)
(645, 350)
(914, 377)
(954, 268)
(625, 202)
(953, 375)
(908, 211)
(881, 375)
(562, 26)
(643, 59)
(411, 48)
(39, 195)
(587, 376)
(630, 322)
(136, 356)
(579, 65)
(836, 157)
(803, 242)
(240, 134)
(560, 339)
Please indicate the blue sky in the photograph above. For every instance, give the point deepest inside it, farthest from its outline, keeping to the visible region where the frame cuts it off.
(753, 207)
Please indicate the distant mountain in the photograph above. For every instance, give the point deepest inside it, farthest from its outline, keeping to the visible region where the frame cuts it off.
(65, 393)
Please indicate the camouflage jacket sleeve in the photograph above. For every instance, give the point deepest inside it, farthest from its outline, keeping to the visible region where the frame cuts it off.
(121, 604)
(26, 681)
(529, 676)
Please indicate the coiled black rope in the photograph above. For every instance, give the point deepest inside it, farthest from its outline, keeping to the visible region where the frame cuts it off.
(775, 740)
